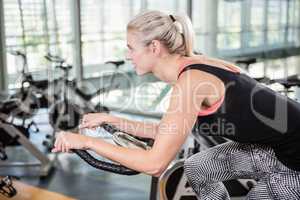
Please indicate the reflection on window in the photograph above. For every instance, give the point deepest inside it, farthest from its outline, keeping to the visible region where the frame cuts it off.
(294, 16)
(167, 5)
(146, 98)
(104, 30)
(36, 27)
(256, 32)
(267, 25)
(276, 16)
(229, 24)
(199, 21)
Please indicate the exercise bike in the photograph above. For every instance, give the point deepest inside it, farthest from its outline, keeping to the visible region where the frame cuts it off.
(13, 135)
(119, 138)
(173, 184)
(31, 93)
(69, 101)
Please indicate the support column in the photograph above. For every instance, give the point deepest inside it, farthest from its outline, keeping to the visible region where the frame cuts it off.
(144, 4)
(190, 9)
(245, 23)
(298, 44)
(209, 12)
(298, 29)
(77, 41)
(266, 4)
(3, 67)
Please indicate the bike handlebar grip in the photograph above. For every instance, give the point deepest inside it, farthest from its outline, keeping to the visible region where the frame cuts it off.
(98, 164)
(110, 167)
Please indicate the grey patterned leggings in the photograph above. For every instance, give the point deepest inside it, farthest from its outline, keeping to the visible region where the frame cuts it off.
(205, 171)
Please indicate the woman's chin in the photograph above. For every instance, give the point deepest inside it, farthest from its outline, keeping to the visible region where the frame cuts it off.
(140, 73)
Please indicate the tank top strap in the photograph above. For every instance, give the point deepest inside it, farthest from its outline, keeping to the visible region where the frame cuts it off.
(217, 71)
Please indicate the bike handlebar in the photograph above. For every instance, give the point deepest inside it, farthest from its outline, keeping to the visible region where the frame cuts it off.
(106, 166)
(54, 58)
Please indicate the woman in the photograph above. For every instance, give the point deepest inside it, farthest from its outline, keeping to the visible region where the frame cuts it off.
(215, 98)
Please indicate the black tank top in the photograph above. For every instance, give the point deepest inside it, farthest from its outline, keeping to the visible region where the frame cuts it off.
(253, 113)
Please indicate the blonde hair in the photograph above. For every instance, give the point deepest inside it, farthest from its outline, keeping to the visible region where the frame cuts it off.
(174, 31)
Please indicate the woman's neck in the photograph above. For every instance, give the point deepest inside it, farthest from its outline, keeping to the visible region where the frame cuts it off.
(168, 68)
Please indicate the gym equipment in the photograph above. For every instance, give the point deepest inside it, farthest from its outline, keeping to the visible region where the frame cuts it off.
(120, 138)
(18, 135)
(287, 83)
(173, 184)
(3, 155)
(246, 62)
(88, 97)
(63, 114)
(69, 101)
(31, 93)
(15, 135)
(6, 187)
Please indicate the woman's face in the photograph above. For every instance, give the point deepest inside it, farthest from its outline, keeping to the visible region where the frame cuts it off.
(139, 54)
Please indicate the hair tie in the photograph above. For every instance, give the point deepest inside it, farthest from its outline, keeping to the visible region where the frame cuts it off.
(172, 18)
(177, 24)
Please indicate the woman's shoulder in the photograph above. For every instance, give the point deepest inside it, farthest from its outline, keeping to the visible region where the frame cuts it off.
(213, 62)
(196, 79)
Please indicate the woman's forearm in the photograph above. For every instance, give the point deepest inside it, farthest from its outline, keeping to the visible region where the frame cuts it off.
(140, 129)
(136, 159)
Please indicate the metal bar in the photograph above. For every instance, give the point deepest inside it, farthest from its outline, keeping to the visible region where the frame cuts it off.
(77, 40)
(3, 67)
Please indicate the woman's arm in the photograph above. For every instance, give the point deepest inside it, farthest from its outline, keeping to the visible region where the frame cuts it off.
(185, 103)
(141, 129)
(186, 100)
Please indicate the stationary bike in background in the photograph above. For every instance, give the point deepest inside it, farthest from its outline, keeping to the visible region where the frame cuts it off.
(288, 83)
(70, 101)
(14, 135)
(31, 92)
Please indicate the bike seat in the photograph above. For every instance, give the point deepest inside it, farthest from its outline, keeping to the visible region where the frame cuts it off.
(41, 84)
(116, 63)
(289, 81)
(247, 61)
(7, 106)
(64, 67)
(262, 79)
(55, 59)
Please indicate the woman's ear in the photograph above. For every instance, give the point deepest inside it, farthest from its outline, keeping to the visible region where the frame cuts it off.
(155, 47)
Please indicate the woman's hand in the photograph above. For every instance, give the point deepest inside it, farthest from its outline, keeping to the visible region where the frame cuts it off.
(65, 141)
(93, 120)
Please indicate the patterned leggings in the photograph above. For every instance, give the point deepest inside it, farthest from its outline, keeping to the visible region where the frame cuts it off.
(205, 171)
